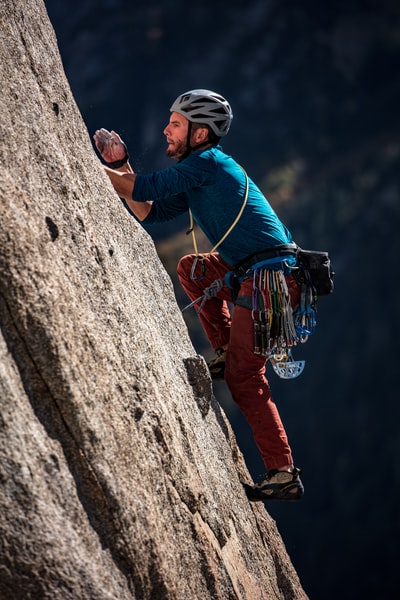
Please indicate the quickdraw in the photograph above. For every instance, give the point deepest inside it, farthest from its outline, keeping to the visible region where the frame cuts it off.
(276, 328)
(304, 315)
(274, 331)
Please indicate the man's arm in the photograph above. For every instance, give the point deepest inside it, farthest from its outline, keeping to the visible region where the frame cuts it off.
(123, 181)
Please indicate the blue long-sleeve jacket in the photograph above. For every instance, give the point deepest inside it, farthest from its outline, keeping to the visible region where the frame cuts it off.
(212, 185)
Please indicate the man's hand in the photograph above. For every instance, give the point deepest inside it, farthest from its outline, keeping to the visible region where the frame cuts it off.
(114, 152)
(110, 145)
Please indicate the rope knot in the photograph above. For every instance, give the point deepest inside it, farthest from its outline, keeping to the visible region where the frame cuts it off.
(208, 293)
(214, 288)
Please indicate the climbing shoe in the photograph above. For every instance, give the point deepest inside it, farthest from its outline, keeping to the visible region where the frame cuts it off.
(277, 485)
(217, 365)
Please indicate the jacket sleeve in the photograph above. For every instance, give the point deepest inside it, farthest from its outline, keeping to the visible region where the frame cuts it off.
(170, 188)
(166, 209)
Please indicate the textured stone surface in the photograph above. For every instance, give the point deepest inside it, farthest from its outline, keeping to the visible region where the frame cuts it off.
(120, 475)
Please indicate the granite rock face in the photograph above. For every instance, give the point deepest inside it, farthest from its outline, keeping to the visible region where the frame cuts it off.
(120, 475)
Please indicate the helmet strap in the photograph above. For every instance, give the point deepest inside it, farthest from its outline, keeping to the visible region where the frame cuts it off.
(190, 148)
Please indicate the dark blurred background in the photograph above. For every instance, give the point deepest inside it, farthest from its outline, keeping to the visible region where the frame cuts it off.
(315, 90)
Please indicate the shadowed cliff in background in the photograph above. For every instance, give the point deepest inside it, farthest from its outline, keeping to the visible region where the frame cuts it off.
(315, 91)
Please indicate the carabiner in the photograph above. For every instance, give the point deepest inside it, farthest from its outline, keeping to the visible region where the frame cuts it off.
(193, 269)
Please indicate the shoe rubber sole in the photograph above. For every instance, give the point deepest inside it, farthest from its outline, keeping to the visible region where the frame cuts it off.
(289, 492)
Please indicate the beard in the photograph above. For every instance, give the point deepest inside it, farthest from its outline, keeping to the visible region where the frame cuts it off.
(177, 150)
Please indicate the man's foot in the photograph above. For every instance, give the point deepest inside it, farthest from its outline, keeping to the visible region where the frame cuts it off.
(277, 485)
(217, 365)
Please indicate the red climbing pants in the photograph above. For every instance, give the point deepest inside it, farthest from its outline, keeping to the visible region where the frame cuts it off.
(244, 370)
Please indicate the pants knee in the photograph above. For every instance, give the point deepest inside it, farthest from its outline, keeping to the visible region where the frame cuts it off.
(239, 381)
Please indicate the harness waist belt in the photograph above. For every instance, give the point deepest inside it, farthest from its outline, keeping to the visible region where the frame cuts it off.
(283, 250)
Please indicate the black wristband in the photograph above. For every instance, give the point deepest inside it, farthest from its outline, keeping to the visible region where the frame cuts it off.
(118, 163)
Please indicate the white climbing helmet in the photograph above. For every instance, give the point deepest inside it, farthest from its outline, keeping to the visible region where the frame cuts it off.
(205, 106)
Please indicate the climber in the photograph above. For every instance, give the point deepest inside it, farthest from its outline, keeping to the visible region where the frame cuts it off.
(239, 222)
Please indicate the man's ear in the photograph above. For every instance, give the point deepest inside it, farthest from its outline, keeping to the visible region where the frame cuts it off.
(200, 135)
